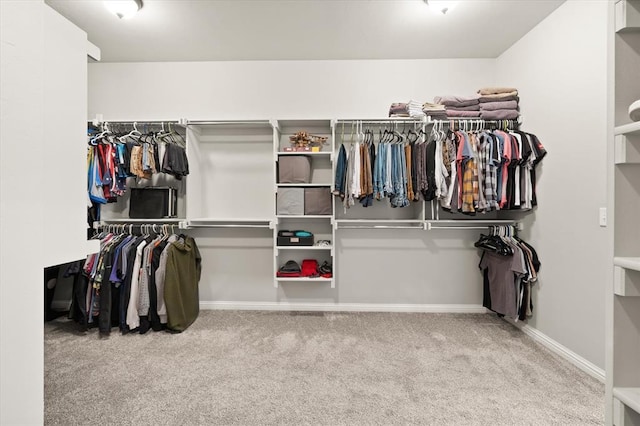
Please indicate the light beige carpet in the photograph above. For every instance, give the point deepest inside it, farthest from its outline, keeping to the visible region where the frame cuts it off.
(260, 368)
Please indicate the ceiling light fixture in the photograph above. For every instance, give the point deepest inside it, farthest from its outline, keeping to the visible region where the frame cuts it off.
(442, 6)
(123, 9)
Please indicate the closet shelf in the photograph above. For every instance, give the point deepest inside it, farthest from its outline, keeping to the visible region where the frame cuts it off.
(124, 220)
(629, 397)
(305, 279)
(303, 185)
(308, 216)
(304, 247)
(628, 129)
(325, 153)
(367, 221)
(632, 263)
(229, 223)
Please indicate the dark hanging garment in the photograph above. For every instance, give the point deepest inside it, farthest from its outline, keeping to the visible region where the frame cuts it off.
(181, 284)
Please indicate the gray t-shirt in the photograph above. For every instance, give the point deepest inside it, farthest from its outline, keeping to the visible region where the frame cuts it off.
(503, 274)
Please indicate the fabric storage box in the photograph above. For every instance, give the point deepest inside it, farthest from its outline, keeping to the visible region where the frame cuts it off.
(290, 201)
(294, 238)
(294, 169)
(317, 201)
(153, 203)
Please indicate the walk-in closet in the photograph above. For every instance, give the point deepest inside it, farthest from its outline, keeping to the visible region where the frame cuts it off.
(311, 212)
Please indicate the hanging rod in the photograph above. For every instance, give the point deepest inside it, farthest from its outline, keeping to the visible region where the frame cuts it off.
(471, 224)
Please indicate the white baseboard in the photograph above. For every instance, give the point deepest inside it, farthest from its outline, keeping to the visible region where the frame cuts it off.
(566, 353)
(342, 307)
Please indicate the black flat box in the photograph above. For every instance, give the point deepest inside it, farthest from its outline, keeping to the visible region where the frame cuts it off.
(288, 238)
(153, 203)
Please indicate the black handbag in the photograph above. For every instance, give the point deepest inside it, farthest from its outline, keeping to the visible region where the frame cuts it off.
(153, 203)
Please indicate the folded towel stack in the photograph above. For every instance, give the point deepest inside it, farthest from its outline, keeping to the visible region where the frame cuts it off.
(459, 106)
(411, 109)
(499, 103)
(435, 111)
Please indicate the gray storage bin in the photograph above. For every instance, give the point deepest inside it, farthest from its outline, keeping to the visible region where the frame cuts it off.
(317, 201)
(290, 201)
(294, 169)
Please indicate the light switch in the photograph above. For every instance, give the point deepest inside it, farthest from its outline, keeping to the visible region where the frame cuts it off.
(603, 216)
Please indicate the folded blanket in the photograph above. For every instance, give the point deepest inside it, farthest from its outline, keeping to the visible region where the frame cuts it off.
(496, 90)
(511, 96)
(427, 106)
(437, 115)
(463, 108)
(499, 114)
(492, 106)
(456, 100)
(463, 114)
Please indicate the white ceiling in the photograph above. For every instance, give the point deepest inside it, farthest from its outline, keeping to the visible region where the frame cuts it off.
(212, 30)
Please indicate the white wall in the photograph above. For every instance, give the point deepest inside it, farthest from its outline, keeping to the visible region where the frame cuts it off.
(560, 69)
(43, 195)
(381, 267)
(21, 273)
(275, 89)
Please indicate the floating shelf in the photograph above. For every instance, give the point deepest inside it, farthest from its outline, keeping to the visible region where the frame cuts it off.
(632, 263)
(629, 397)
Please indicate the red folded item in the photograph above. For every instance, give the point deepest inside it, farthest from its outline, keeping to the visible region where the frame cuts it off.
(309, 268)
(288, 274)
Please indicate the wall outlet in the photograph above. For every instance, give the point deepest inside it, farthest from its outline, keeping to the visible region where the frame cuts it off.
(603, 216)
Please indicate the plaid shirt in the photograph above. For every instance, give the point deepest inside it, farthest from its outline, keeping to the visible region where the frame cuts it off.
(488, 154)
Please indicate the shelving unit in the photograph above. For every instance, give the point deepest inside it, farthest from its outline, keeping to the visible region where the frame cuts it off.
(623, 347)
(321, 176)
